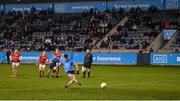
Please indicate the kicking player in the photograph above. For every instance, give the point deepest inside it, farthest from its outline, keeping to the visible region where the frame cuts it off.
(88, 59)
(68, 67)
(42, 63)
(15, 57)
(57, 53)
(53, 64)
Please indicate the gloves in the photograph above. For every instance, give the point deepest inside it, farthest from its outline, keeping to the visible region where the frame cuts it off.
(77, 73)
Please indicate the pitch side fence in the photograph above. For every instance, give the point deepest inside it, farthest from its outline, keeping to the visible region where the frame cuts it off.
(108, 58)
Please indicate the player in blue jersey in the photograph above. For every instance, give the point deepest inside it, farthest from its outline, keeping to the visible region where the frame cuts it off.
(68, 68)
(53, 64)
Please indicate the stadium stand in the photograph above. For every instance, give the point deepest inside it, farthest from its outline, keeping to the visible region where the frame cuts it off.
(176, 45)
(46, 30)
(176, 25)
(141, 29)
(6, 21)
(39, 30)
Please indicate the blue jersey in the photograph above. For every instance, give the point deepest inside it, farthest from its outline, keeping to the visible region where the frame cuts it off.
(68, 65)
(54, 61)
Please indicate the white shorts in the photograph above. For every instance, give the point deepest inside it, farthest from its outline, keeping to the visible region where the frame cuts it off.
(15, 64)
(42, 66)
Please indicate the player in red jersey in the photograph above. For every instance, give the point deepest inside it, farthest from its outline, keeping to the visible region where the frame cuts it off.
(15, 57)
(43, 58)
(57, 53)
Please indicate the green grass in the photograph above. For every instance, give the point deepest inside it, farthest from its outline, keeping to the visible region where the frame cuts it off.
(124, 82)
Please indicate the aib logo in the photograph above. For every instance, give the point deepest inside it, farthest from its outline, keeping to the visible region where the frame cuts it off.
(171, 4)
(160, 58)
(169, 33)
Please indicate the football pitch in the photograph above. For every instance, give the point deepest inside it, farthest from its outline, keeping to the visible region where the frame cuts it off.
(123, 82)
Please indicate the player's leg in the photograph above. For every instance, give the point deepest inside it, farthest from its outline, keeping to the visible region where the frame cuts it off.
(54, 71)
(51, 67)
(57, 71)
(13, 69)
(49, 71)
(75, 79)
(70, 82)
(71, 75)
(40, 70)
(89, 70)
(16, 69)
(43, 70)
(84, 71)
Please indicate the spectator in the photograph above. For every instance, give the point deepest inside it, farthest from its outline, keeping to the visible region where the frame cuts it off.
(166, 24)
(151, 50)
(8, 53)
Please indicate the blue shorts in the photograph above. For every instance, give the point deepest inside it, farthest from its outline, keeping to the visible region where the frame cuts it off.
(52, 66)
(70, 72)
